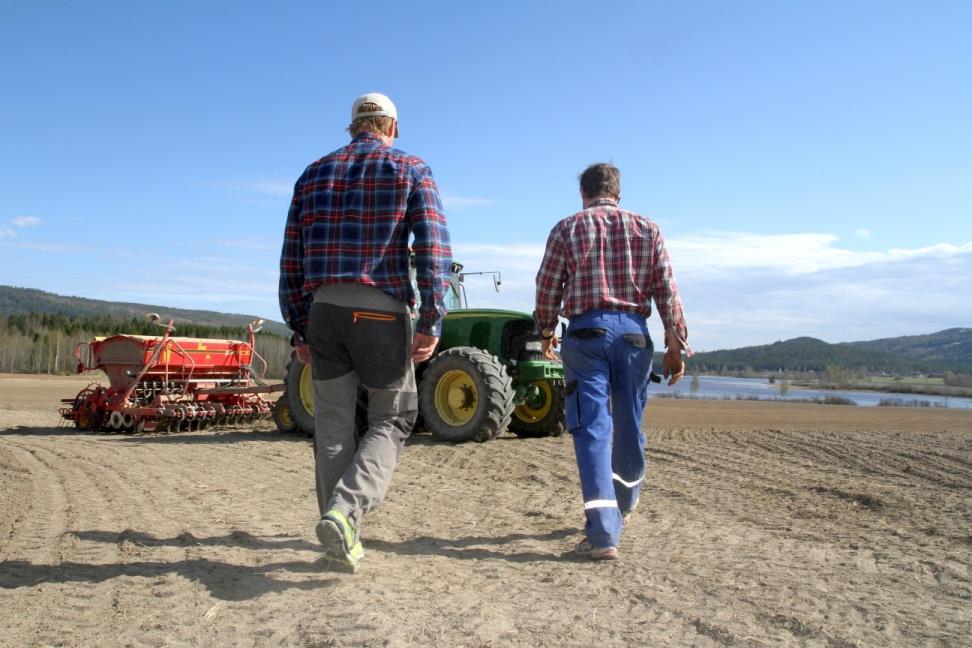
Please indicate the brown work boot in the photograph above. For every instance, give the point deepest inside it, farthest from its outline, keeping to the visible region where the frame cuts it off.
(585, 549)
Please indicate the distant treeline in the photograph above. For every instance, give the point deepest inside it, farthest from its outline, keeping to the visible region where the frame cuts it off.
(44, 343)
(809, 355)
(953, 379)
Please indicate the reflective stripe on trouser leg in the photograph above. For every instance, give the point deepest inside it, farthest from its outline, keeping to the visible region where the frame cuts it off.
(586, 369)
(631, 367)
(594, 504)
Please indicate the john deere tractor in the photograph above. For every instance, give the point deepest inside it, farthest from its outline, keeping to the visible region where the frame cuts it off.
(488, 374)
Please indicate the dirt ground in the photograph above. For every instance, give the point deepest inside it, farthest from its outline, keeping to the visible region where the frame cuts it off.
(762, 524)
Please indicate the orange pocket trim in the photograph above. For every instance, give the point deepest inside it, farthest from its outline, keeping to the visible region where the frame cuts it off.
(380, 317)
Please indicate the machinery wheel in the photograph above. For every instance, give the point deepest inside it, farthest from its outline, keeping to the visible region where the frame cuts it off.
(299, 402)
(466, 395)
(542, 415)
(281, 416)
(83, 417)
(300, 395)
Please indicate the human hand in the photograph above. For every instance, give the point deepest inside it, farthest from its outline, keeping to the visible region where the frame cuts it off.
(548, 346)
(303, 352)
(673, 365)
(422, 347)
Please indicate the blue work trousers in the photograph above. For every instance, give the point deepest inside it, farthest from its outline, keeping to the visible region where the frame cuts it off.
(607, 364)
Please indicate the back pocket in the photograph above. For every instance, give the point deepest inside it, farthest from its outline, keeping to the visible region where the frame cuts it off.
(586, 333)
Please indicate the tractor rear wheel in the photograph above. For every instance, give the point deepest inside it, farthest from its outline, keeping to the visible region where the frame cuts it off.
(543, 414)
(299, 401)
(300, 395)
(466, 395)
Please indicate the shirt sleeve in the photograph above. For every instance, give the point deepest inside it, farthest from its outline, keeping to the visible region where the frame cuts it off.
(433, 252)
(293, 303)
(663, 288)
(550, 281)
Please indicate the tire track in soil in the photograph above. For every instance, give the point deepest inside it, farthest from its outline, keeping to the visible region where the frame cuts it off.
(848, 493)
(40, 534)
(15, 497)
(117, 488)
(88, 608)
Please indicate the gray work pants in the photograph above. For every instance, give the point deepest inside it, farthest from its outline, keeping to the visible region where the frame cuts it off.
(359, 335)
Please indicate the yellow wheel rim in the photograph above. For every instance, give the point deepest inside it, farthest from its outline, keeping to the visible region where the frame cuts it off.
(536, 408)
(284, 414)
(306, 390)
(456, 397)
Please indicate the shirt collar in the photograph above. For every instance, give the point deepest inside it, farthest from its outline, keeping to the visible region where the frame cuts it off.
(601, 202)
(367, 135)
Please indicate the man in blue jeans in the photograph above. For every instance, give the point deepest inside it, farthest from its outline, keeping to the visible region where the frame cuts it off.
(602, 268)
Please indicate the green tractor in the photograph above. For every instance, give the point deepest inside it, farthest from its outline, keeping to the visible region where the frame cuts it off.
(488, 374)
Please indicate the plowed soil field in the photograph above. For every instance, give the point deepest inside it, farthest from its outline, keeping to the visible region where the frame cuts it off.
(762, 524)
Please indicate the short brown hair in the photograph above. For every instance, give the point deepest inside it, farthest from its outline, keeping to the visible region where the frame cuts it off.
(601, 179)
(378, 125)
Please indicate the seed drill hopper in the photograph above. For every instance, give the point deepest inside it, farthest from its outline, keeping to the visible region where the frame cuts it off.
(163, 383)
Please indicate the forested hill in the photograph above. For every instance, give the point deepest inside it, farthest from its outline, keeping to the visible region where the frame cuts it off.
(946, 347)
(933, 354)
(29, 301)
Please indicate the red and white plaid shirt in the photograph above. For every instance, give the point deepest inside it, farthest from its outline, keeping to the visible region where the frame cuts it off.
(607, 258)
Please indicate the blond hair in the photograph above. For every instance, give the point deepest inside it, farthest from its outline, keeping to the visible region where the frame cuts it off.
(377, 125)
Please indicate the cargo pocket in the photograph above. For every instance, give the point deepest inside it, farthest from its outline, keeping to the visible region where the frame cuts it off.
(580, 409)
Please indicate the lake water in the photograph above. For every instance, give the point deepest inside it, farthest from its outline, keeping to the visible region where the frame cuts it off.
(729, 387)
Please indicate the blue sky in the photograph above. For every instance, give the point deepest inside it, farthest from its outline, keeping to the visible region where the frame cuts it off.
(810, 163)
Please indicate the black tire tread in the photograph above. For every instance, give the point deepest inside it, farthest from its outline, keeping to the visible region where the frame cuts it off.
(303, 418)
(497, 386)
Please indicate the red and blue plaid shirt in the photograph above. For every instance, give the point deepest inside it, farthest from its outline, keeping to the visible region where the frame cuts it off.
(349, 222)
(610, 258)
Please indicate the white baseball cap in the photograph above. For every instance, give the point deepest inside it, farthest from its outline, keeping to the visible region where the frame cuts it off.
(387, 108)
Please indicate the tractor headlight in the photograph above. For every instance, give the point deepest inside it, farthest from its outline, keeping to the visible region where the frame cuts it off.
(535, 345)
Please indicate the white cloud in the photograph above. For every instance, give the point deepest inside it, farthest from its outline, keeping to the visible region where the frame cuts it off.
(863, 233)
(6, 232)
(743, 289)
(460, 202)
(787, 253)
(738, 288)
(26, 221)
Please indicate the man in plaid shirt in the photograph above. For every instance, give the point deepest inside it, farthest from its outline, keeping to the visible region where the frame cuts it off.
(345, 293)
(605, 265)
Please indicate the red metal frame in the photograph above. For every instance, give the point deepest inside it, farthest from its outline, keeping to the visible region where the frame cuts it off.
(169, 382)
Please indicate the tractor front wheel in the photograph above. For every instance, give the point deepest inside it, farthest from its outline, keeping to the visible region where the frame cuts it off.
(542, 414)
(466, 395)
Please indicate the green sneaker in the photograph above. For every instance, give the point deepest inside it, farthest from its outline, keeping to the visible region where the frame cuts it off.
(338, 538)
